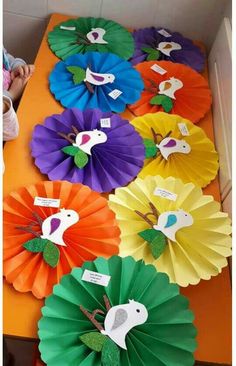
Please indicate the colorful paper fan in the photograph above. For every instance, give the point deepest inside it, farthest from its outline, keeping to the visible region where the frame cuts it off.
(161, 44)
(137, 294)
(90, 34)
(43, 243)
(176, 147)
(96, 80)
(172, 88)
(173, 226)
(74, 146)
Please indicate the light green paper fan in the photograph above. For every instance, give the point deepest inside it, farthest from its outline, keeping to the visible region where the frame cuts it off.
(77, 36)
(166, 338)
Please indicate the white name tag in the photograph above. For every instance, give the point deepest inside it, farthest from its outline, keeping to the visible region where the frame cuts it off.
(183, 129)
(47, 202)
(68, 28)
(158, 69)
(96, 278)
(114, 94)
(164, 33)
(165, 194)
(105, 122)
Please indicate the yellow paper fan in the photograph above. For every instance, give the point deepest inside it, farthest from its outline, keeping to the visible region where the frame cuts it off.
(200, 250)
(199, 165)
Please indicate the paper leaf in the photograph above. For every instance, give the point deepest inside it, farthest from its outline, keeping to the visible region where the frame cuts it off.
(158, 244)
(148, 234)
(79, 74)
(70, 150)
(155, 55)
(35, 245)
(164, 101)
(51, 254)
(94, 340)
(110, 354)
(81, 159)
(157, 100)
(150, 148)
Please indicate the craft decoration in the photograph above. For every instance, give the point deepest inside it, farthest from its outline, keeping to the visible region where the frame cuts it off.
(129, 322)
(77, 146)
(41, 243)
(173, 226)
(176, 147)
(160, 44)
(172, 88)
(96, 80)
(90, 34)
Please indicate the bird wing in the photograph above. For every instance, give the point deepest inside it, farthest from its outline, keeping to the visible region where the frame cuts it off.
(121, 316)
(170, 143)
(54, 225)
(85, 138)
(167, 85)
(171, 220)
(95, 35)
(97, 77)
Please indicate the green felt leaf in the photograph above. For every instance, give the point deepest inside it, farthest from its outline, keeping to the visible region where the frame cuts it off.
(94, 340)
(157, 100)
(158, 244)
(150, 148)
(148, 49)
(79, 74)
(148, 234)
(70, 150)
(110, 353)
(153, 54)
(164, 101)
(81, 159)
(51, 254)
(35, 245)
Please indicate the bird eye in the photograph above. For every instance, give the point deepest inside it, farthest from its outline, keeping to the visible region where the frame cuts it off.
(99, 134)
(68, 215)
(185, 215)
(138, 311)
(184, 146)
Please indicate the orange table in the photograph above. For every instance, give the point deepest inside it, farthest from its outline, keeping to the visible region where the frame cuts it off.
(210, 300)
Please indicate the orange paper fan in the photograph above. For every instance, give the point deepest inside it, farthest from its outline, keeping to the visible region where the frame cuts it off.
(189, 96)
(94, 234)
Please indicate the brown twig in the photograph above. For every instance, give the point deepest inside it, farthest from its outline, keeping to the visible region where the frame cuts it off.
(107, 302)
(66, 137)
(89, 87)
(167, 135)
(91, 317)
(155, 135)
(144, 217)
(74, 129)
(84, 38)
(153, 212)
(28, 229)
(38, 218)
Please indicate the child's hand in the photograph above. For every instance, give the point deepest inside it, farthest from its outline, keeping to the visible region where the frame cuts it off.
(23, 71)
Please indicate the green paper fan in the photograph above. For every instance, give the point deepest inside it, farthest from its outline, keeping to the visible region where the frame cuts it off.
(167, 338)
(74, 36)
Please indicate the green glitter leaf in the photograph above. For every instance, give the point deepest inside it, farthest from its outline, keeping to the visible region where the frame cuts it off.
(94, 340)
(51, 254)
(110, 354)
(78, 73)
(150, 148)
(81, 159)
(35, 245)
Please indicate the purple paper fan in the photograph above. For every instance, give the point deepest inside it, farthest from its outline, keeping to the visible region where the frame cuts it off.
(111, 164)
(189, 54)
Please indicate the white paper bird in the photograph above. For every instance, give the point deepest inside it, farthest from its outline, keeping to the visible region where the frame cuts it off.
(167, 47)
(87, 139)
(96, 36)
(54, 226)
(170, 145)
(170, 222)
(97, 78)
(169, 87)
(121, 319)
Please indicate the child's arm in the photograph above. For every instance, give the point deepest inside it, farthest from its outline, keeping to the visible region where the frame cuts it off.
(14, 62)
(10, 120)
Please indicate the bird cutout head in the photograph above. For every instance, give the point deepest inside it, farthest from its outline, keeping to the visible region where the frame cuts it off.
(170, 222)
(170, 86)
(54, 226)
(85, 140)
(98, 78)
(167, 47)
(96, 36)
(121, 319)
(170, 145)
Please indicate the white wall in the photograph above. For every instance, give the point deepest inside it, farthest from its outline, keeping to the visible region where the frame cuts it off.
(24, 21)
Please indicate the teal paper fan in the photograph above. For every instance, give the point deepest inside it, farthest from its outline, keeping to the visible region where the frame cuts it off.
(138, 319)
(90, 34)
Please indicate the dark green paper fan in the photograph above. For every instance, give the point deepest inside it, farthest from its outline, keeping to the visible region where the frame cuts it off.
(69, 338)
(71, 37)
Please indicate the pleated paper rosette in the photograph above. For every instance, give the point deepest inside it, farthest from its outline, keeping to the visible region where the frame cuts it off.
(90, 34)
(96, 80)
(114, 154)
(167, 337)
(162, 44)
(93, 233)
(176, 147)
(172, 88)
(200, 234)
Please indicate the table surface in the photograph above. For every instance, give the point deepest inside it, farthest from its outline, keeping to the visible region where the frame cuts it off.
(210, 300)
